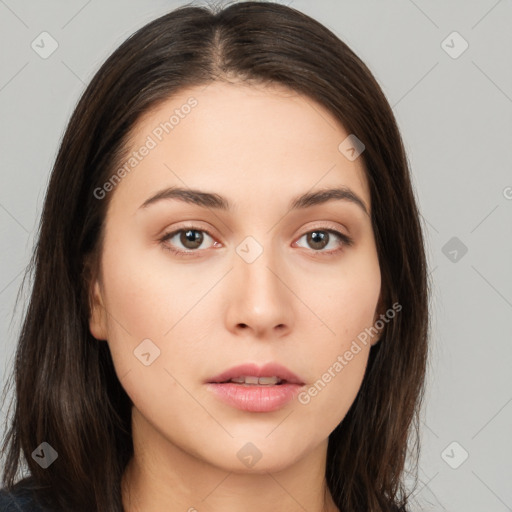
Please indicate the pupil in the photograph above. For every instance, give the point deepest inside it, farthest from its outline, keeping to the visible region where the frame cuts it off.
(191, 236)
(318, 237)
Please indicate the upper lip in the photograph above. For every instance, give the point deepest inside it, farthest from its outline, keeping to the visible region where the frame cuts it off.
(250, 369)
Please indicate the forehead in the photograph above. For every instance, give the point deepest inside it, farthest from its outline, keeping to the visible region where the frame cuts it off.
(244, 140)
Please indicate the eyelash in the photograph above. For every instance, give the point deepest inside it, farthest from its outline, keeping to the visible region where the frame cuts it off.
(346, 241)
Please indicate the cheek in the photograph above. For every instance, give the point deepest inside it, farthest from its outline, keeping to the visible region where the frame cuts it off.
(346, 297)
(149, 305)
(346, 305)
(327, 400)
(338, 359)
(137, 300)
(145, 296)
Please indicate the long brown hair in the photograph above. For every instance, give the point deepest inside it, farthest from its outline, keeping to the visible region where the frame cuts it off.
(66, 390)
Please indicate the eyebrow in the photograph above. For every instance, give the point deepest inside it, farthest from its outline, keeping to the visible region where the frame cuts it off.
(216, 201)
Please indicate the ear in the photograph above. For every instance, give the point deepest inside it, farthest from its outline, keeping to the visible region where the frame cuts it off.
(97, 312)
(379, 310)
(97, 317)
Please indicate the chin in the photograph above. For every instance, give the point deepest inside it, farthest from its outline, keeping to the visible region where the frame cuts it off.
(257, 457)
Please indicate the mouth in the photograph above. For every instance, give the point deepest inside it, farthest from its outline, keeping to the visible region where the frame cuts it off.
(250, 374)
(256, 389)
(250, 380)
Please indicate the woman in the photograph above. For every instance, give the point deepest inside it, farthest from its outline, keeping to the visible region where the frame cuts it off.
(229, 308)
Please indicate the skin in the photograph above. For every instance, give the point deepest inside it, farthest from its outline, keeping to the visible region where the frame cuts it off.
(294, 304)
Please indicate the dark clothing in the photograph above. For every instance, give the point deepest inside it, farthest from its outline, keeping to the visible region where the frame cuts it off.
(20, 499)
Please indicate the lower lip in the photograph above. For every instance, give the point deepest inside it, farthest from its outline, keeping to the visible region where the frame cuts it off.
(254, 398)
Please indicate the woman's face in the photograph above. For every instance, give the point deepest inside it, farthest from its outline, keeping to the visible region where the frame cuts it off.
(262, 281)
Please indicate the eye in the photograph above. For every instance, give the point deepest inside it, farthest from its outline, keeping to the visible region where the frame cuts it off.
(189, 238)
(320, 238)
(192, 238)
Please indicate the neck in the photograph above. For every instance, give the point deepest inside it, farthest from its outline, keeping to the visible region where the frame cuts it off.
(161, 476)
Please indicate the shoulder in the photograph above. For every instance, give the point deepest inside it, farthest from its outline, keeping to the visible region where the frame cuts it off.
(20, 498)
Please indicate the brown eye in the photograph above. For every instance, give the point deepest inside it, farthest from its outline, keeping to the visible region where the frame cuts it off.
(186, 240)
(192, 237)
(319, 239)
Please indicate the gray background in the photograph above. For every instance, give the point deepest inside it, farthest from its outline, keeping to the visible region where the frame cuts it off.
(455, 117)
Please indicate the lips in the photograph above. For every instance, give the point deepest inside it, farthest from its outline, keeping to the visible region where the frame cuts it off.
(256, 389)
(252, 370)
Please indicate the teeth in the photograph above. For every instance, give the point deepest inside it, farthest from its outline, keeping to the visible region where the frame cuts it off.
(265, 381)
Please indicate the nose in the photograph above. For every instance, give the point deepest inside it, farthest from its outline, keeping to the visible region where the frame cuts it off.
(260, 302)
